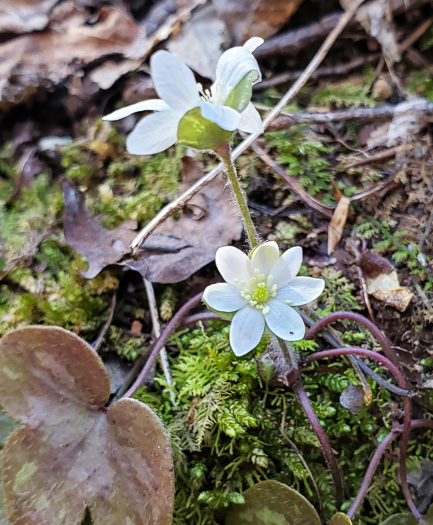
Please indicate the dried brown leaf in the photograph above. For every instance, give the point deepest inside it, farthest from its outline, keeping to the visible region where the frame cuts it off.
(338, 221)
(73, 452)
(352, 398)
(382, 281)
(23, 16)
(179, 248)
(69, 44)
(247, 18)
(100, 246)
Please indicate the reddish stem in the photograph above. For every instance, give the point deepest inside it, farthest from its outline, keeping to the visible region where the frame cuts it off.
(377, 456)
(323, 440)
(357, 318)
(407, 409)
(160, 342)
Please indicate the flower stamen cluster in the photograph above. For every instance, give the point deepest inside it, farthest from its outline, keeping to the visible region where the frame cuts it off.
(258, 290)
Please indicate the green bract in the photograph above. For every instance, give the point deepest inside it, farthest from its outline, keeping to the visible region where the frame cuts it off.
(241, 95)
(197, 132)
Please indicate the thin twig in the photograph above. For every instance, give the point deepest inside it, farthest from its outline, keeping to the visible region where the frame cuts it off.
(153, 308)
(97, 344)
(180, 202)
(159, 343)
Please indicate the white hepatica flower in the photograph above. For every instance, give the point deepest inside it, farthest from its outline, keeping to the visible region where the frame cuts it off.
(262, 291)
(185, 113)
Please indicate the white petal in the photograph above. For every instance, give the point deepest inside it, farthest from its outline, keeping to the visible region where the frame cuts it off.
(233, 65)
(265, 256)
(233, 264)
(302, 290)
(224, 297)
(287, 266)
(174, 81)
(284, 321)
(154, 133)
(246, 330)
(251, 121)
(226, 118)
(154, 104)
(253, 43)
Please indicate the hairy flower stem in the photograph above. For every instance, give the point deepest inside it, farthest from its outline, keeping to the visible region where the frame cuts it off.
(323, 440)
(224, 152)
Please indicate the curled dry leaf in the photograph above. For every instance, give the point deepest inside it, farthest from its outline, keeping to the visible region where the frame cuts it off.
(248, 18)
(22, 16)
(382, 281)
(352, 398)
(69, 44)
(338, 221)
(179, 248)
(101, 247)
(272, 502)
(73, 452)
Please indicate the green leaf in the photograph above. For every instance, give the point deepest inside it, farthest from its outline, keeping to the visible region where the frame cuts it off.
(406, 518)
(272, 503)
(340, 519)
(197, 132)
(73, 452)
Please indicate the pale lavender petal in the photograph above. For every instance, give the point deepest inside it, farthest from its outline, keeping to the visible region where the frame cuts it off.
(233, 264)
(153, 104)
(224, 297)
(253, 43)
(174, 81)
(302, 290)
(246, 330)
(284, 321)
(265, 256)
(154, 133)
(225, 117)
(251, 121)
(287, 266)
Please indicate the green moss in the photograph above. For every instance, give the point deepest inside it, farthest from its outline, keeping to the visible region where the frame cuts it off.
(347, 95)
(421, 83)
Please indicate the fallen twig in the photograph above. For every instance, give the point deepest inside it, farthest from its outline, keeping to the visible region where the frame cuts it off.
(153, 308)
(97, 344)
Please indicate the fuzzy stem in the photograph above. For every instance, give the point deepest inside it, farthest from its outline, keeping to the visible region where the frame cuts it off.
(374, 462)
(323, 440)
(160, 342)
(224, 152)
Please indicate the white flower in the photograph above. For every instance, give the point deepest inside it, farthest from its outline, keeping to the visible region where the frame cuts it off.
(262, 291)
(227, 104)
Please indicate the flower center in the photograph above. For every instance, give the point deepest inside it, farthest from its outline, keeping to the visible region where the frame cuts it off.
(258, 290)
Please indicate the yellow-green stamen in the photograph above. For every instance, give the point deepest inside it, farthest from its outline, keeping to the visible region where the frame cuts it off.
(258, 290)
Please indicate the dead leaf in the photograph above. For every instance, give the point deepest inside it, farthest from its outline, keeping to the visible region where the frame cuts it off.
(352, 398)
(382, 281)
(409, 119)
(179, 248)
(376, 18)
(199, 43)
(101, 247)
(46, 59)
(73, 452)
(248, 18)
(338, 221)
(24, 16)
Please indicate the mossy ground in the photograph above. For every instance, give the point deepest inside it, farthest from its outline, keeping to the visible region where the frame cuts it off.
(226, 429)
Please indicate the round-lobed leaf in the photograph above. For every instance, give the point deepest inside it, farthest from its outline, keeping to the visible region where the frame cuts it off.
(406, 518)
(272, 502)
(340, 519)
(74, 452)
